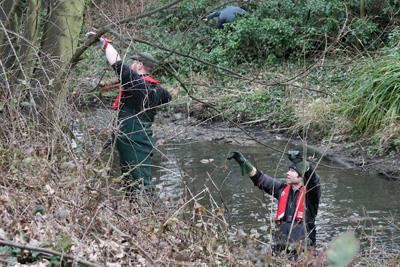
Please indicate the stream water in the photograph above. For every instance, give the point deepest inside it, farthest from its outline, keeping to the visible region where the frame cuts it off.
(350, 199)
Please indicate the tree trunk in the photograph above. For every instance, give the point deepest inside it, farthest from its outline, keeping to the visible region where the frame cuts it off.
(61, 35)
(8, 19)
(362, 8)
(59, 41)
(31, 30)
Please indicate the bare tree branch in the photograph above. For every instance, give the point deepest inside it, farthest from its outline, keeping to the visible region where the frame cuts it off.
(234, 75)
(107, 28)
(46, 251)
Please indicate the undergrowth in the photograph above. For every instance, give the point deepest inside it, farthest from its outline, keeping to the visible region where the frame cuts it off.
(61, 204)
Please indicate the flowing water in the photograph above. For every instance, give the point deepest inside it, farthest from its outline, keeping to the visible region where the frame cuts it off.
(350, 199)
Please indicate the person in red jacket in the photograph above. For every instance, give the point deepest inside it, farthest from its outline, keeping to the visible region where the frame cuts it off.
(298, 199)
(136, 105)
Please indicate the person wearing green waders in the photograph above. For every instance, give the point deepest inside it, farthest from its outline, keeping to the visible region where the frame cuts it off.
(298, 200)
(136, 105)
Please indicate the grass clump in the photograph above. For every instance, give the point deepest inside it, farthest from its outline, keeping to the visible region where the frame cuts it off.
(373, 96)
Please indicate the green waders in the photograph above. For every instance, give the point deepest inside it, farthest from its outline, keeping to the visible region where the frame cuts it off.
(135, 144)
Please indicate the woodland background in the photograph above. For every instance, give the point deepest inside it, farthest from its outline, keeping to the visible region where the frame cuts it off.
(325, 70)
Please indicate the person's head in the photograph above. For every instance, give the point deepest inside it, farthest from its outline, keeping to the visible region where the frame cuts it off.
(143, 64)
(293, 177)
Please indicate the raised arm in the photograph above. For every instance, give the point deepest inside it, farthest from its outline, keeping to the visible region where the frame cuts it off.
(112, 54)
(267, 183)
(262, 181)
(212, 15)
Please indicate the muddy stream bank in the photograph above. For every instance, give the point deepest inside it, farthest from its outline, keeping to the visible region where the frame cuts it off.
(349, 155)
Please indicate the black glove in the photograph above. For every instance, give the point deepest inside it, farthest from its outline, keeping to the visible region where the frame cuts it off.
(301, 166)
(245, 165)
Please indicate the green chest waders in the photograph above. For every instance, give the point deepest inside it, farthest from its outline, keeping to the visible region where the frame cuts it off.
(135, 145)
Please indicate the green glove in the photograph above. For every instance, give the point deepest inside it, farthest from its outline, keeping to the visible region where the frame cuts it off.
(245, 165)
(296, 157)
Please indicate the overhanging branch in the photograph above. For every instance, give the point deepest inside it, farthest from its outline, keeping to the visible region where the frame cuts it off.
(75, 58)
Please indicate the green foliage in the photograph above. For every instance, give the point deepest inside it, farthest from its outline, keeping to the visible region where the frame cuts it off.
(384, 10)
(373, 95)
(394, 38)
(363, 31)
(9, 253)
(252, 40)
(64, 244)
(342, 250)
(274, 30)
(54, 260)
(179, 28)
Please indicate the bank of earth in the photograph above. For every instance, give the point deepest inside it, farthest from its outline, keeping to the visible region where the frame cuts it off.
(181, 128)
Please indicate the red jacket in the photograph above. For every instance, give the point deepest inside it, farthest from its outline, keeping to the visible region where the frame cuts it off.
(299, 204)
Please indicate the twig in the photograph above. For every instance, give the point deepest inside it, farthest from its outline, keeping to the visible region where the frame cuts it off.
(86, 231)
(47, 251)
(176, 212)
(101, 78)
(222, 198)
(127, 238)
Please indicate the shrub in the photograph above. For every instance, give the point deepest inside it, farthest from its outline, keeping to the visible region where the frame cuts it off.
(363, 32)
(274, 30)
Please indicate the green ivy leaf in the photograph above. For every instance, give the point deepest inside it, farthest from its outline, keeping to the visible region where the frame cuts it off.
(35, 254)
(11, 260)
(54, 259)
(16, 250)
(4, 249)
